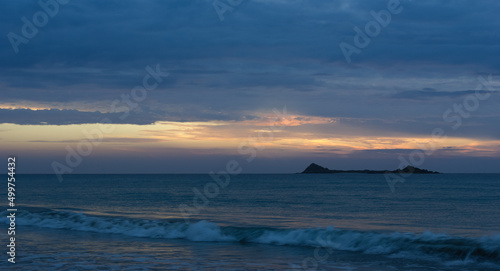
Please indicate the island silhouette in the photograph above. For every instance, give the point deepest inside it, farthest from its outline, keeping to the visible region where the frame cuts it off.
(315, 168)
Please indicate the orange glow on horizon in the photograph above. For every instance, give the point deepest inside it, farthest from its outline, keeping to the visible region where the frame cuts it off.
(229, 135)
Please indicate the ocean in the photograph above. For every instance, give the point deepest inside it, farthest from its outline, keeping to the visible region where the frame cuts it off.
(255, 222)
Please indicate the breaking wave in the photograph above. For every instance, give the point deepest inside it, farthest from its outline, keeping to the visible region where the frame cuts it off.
(443, 247)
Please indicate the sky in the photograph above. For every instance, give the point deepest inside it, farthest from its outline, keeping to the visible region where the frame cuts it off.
(181, 86)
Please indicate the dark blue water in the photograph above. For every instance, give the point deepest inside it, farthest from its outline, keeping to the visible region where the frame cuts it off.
(257, 222)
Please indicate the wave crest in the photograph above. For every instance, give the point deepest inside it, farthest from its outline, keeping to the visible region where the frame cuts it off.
(444, 247)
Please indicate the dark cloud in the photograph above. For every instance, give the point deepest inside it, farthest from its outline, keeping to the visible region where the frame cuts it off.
(129, 34)
(63, 117)
(138, 116)
(432, 93)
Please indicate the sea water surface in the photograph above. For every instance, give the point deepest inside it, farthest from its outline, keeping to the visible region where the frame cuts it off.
(256, 222)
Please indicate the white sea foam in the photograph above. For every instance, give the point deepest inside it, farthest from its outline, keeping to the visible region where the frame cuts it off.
(449, 249)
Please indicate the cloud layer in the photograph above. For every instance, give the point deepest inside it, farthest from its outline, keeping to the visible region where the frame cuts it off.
(265, 54)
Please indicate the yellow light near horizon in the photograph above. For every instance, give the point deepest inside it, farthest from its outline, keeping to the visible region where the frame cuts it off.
(224, 135)
(34, 108)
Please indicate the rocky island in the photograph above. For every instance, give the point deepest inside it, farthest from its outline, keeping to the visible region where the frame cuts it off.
(315, 168)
